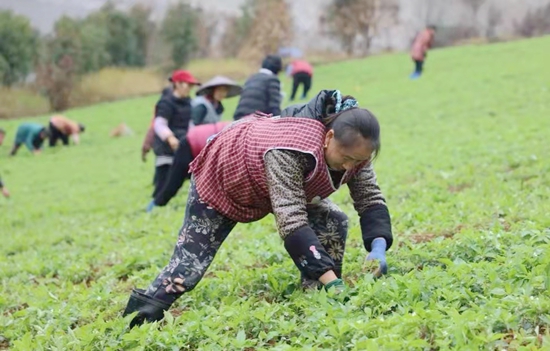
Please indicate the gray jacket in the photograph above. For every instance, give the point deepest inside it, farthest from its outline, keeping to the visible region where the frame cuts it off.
(211, 115)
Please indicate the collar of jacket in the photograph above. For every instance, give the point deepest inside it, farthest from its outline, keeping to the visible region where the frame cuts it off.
(265, 71)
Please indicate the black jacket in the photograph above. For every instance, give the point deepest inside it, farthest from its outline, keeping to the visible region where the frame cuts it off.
(261, 92)
(178, 113)
(312, 109)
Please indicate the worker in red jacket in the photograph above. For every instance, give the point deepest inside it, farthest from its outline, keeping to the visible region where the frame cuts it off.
(422, 42)
(301, 72)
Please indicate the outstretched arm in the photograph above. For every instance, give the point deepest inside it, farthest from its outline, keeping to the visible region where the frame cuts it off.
(374, 216)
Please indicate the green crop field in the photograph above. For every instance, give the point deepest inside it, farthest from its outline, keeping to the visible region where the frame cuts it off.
(465, 167)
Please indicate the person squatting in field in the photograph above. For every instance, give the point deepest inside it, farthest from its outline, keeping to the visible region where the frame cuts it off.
(61, 128)
(173, 114)
(422, 42)
(32, 135)
(206, 115)
(287, 166)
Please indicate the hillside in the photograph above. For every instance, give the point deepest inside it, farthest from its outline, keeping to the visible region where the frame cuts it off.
(464, 167)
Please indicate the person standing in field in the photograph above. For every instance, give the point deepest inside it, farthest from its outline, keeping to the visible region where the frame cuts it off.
(205, 121)
(32, 135)
(301, 72)
(3, 189)
(207, 106)
(262, 90)
(173, 114)
(287, 166)
(422, 43)
(61, 128)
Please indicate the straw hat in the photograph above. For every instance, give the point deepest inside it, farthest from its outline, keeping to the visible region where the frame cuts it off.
(234, 88)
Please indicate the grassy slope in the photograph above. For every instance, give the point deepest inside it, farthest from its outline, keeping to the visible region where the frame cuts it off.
(464, 167)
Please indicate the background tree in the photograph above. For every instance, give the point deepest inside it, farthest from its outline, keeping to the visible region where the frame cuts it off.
(179, 31)
(271, 28)
(122, 43)
(237, 29)
(348, 20)
(59, 63)
(18, 42)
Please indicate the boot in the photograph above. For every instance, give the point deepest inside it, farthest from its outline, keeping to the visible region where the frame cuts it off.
(149, 309)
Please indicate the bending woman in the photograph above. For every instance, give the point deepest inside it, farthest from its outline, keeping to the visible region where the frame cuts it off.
(288, 167)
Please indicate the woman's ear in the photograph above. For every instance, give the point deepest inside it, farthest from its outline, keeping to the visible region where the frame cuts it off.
(328, 137)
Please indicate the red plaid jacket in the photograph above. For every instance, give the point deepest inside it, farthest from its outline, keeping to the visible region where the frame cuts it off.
(230, 175)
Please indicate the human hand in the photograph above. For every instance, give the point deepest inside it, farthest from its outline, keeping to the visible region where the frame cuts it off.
(378, 254)
(173, 142)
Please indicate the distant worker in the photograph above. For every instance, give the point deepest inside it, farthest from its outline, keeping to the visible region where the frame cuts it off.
(173, 114)
(301, 72)
(32, 135)
(207, 106)
(423, 42)
(61, 128)
(206, 115)
(262, 90)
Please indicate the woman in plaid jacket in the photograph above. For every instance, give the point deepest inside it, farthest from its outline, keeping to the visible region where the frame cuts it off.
(287, 166)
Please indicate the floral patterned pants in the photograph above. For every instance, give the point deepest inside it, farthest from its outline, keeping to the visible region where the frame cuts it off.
(204, 230)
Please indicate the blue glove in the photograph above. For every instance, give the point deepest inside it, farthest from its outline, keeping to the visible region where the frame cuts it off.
(378, 252)
(150, 206)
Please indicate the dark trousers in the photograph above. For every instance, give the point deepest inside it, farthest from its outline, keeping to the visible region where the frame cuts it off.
(56, 134)
(418, 66)
(161, 176)
(205, 229)
(179, 171)
(299, 79)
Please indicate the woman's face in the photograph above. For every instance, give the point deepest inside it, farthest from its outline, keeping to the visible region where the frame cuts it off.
(183, 89)
(220, 92)
(344, 158)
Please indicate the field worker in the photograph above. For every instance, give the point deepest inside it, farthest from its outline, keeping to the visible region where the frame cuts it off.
(147, 144)
(3, 188)
(262, 91)
(207, 110)
(189, 148)
(173, 114)
(62, 128)
(207, 106)
(287, 166)
(32, 135)
(422, 42)
(301, 72)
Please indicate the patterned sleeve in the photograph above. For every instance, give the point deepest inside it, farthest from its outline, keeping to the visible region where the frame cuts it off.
(364, 190)
(285, 171)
